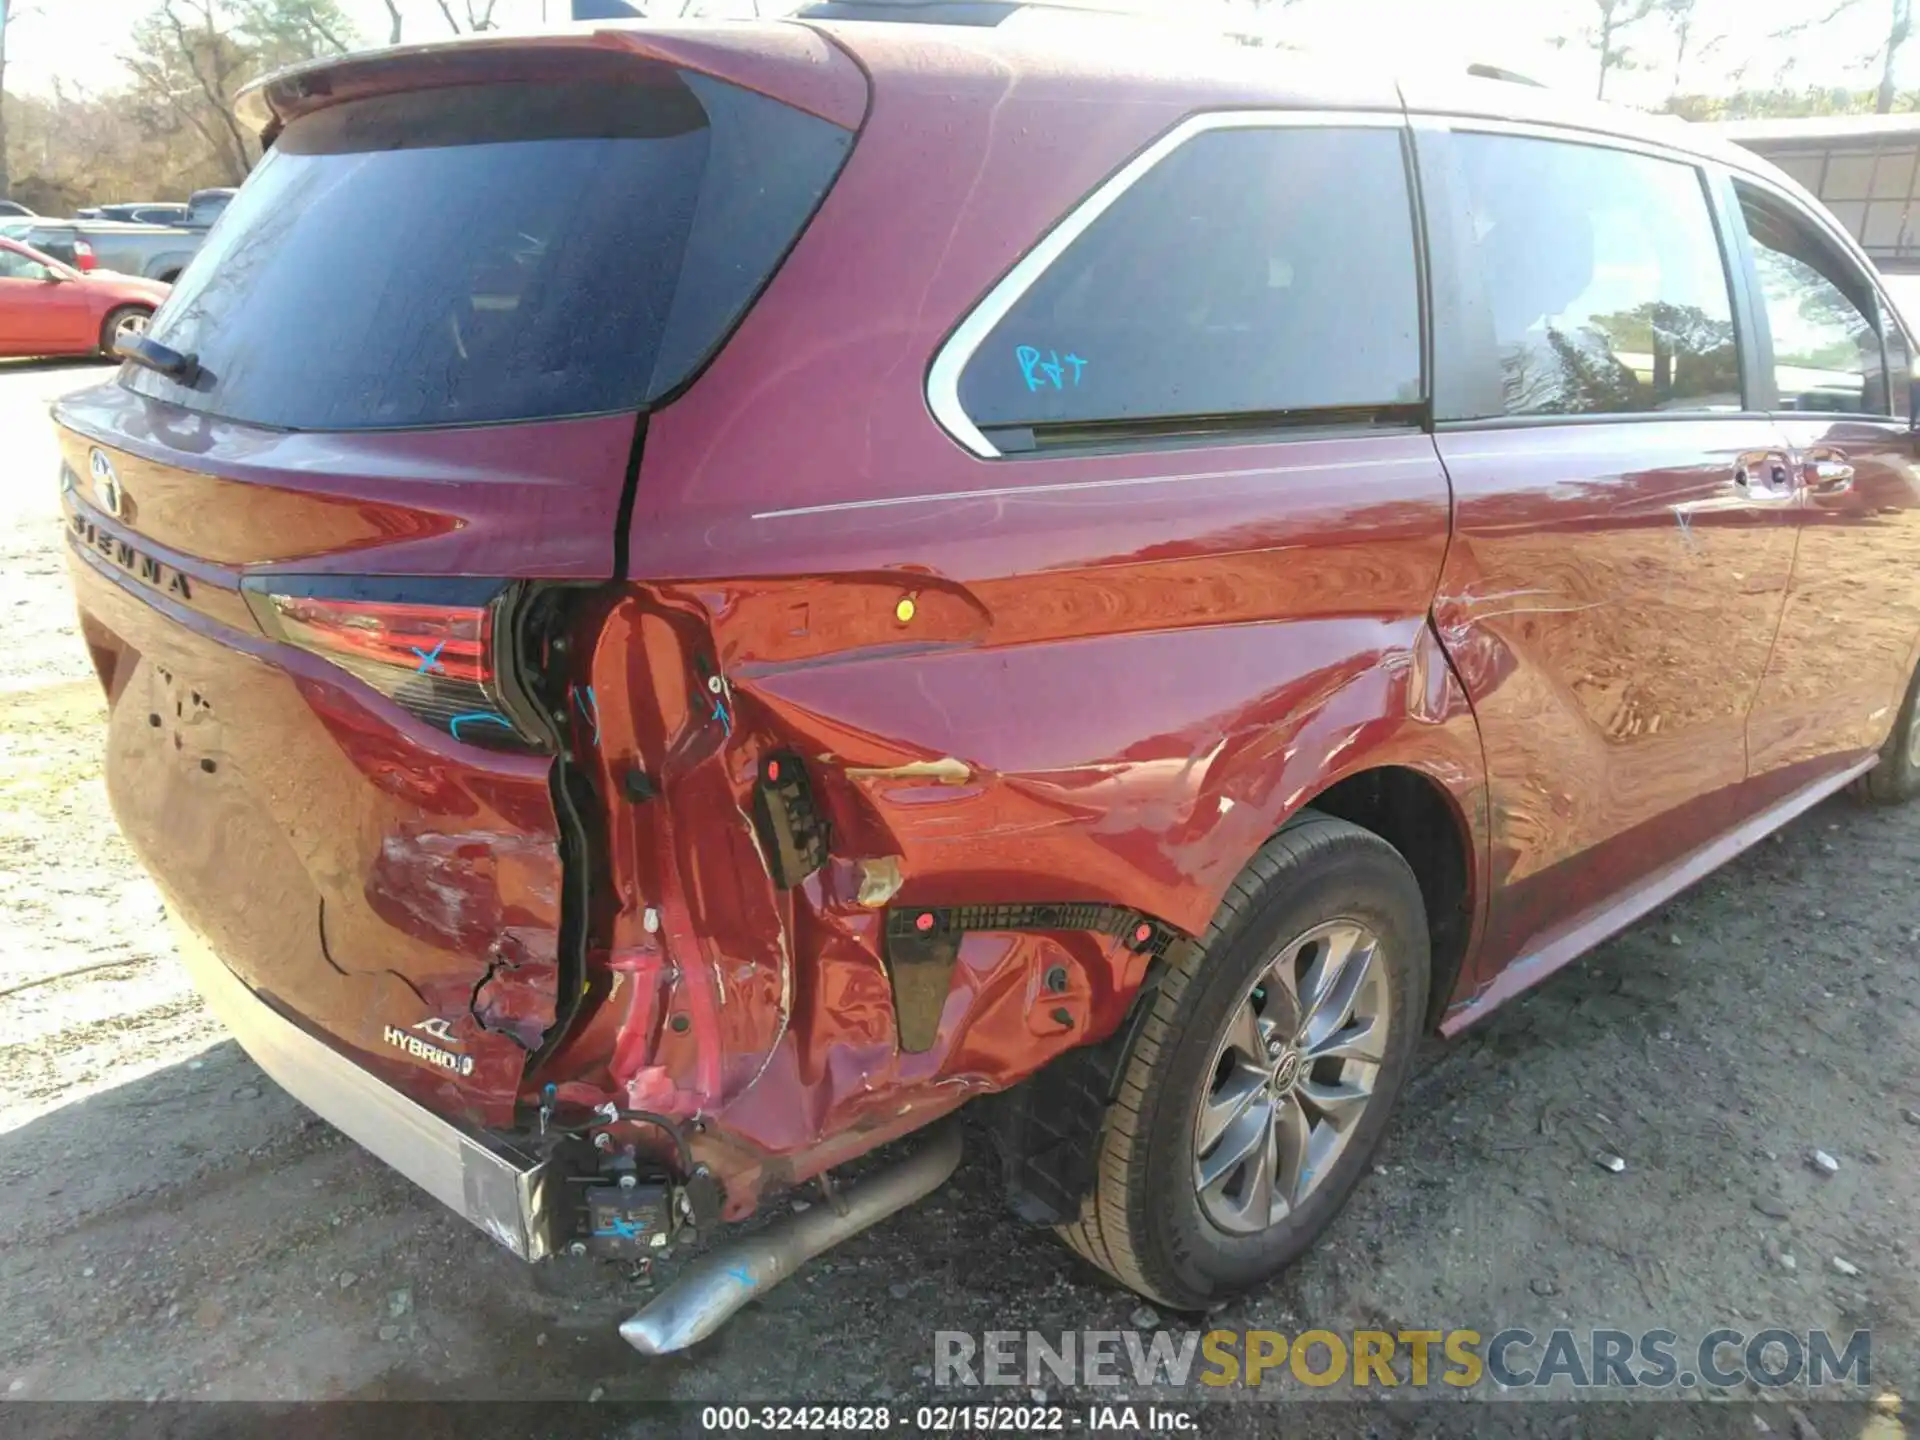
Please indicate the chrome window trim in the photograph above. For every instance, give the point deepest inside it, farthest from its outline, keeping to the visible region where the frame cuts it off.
(1563, 134)
(1569, 134)
(943, 376)
(958, 350)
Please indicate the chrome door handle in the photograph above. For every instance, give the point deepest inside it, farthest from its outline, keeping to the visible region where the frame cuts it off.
(1760, 475)
(1829, 476)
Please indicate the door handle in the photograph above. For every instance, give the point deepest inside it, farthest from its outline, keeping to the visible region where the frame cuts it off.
(1826, 473)
(1764, 475)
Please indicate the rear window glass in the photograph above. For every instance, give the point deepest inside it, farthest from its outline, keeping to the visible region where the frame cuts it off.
(489, 253)
(1251, 271)
(57, 243)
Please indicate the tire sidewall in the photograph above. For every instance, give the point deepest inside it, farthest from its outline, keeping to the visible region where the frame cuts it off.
(1904, 777)
(1895, 779)
(1357, 877)
(112, 323)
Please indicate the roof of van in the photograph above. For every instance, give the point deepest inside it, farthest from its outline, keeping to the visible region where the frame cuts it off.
(1072, 48)
(1133, 52)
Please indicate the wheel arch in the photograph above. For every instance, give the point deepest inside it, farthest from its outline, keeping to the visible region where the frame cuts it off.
(1397, 751)
(1426, 823)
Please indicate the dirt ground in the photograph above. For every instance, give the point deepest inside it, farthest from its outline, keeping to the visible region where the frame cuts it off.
(171, 1225)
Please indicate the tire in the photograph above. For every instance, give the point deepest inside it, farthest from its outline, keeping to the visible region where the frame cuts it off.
(1145, 1221)
(117, 317)
(1896, 779)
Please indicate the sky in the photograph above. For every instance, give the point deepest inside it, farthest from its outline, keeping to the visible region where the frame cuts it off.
(79, 43)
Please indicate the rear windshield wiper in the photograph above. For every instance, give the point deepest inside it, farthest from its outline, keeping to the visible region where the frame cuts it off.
(183, 369)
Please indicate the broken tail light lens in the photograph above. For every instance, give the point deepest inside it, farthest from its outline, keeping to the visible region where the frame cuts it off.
(427, 646)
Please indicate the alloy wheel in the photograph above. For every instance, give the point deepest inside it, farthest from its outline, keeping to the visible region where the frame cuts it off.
(1292, 1075)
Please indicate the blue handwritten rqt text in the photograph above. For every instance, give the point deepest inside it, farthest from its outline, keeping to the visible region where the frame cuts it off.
(1038, 369)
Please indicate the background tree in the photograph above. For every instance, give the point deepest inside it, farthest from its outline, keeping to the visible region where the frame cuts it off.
(1606, 35)
(10, 10)
(192, 56)
(479, 15)
(1899, 18)
(1895, 15)
(1784, 102)
(1682, 17)
(5, 178)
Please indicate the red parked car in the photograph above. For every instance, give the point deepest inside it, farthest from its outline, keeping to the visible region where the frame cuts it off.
(680, 602)
(47, 308)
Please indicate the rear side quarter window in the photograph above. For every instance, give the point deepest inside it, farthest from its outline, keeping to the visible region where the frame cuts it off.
(54, 242)
(1252, 278)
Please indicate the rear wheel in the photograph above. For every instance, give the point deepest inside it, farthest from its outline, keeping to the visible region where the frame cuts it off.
(123, 323)
(1262, 1078)
(1896, 779)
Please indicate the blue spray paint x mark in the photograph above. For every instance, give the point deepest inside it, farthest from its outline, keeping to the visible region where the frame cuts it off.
(1038, 371)
(717, 688)
(477, 717)
(429, 659)
(589, 707)
(624, 1229)
(742, 1276)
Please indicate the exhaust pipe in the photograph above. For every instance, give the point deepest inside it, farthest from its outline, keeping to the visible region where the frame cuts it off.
(717, 1284)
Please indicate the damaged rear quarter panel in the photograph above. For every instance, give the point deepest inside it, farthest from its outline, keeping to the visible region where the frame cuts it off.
(1124, 727)
(1098, 677)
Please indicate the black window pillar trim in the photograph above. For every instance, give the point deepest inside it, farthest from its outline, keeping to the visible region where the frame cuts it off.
(1753, 333)
(1460, 306)
(1424, 289)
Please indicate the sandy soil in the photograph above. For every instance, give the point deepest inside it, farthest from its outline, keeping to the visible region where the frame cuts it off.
(172, 1225)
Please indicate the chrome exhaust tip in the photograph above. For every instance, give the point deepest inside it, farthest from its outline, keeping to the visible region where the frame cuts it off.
(717, 1284)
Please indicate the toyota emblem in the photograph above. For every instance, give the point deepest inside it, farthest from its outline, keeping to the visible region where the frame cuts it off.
(106, 483)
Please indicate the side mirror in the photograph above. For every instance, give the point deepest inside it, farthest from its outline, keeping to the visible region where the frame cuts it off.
(54, 277)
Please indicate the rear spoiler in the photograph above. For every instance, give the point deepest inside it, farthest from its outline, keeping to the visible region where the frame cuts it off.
(794, 64)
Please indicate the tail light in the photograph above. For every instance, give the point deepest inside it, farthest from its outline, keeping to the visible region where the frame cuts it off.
(426, 645)
(83, 256)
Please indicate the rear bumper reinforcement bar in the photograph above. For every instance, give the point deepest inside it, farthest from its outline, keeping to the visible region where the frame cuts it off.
(490, 1183)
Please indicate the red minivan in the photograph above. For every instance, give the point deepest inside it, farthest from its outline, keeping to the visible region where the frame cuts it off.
(679, 602)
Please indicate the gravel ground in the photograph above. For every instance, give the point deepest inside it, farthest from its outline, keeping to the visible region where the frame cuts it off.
(172, 1226)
